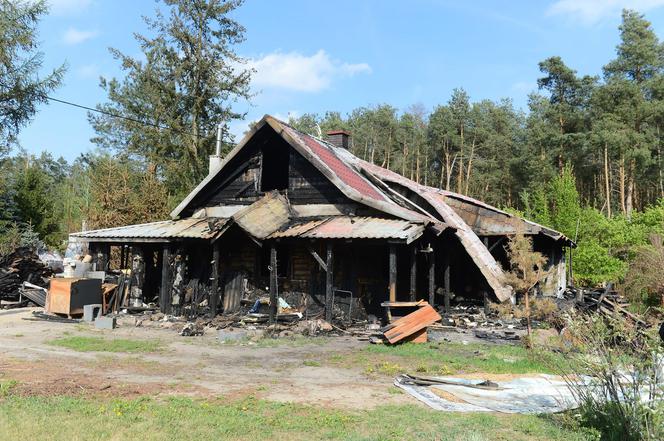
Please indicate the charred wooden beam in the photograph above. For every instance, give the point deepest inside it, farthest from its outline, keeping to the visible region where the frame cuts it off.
(318, 259)
(103, 257)
(446, 283)
(413, 273)
(393, 273)
(432, 278)
(214, 296)
(273, 283)
(496, 243)
(571, 273)
(165, 289)
(329, 280)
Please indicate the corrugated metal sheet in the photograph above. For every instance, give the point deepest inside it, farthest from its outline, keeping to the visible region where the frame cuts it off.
(190, 228)
(264, 216)
(351, 227)
(485, 262)
(342, 170)
(487, 220)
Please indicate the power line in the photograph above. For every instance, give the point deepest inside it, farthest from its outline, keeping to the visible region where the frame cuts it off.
(115, 115)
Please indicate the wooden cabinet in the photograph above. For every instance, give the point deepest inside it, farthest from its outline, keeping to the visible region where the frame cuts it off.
(68, 295)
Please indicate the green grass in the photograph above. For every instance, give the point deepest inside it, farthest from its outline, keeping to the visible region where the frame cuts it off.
(6, 387)
(99, 344)
(451, 358)
(60, 418)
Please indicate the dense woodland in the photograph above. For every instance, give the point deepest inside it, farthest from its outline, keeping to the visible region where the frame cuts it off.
(585, 157)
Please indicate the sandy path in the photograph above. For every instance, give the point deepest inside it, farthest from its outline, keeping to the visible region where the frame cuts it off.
(198, 366)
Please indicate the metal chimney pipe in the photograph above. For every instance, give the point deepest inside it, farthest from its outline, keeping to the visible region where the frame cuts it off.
(215, 160)
(217, 152)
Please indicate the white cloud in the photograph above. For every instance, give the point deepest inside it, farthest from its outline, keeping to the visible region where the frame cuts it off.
(88, 71)
(302, 73)
(64, 7)
(592, 11)
(75, 36)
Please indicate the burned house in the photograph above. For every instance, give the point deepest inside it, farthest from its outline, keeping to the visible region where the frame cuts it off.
(289, 213)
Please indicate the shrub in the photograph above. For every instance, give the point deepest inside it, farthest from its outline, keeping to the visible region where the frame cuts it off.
(645, 279)
(614, 371)
(593, 265)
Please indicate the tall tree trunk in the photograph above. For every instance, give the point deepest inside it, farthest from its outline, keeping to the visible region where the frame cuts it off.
(448, 176)
(460, 173)
(470, 165)
(561, 160)
(373, 150)
(661, 165)
(621, 175)
(417, 165)
(607, 181)
(404, 159)
(629, 200)
(426, 169)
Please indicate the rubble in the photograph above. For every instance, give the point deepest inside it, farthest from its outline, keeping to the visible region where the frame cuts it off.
(605, 301)
(22, 265)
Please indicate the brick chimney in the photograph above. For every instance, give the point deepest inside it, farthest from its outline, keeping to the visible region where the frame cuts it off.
(339, 138)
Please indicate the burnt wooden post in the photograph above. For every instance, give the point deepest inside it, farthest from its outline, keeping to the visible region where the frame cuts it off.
(165, 290)
(413, 273)
(485, 294)
(93, 251)
(122, 257)
(446, 282)
(104, 256)
(571, 273)
(273, 283)
(329, 280)
(432, 278)
(214, 297)
(393, 273)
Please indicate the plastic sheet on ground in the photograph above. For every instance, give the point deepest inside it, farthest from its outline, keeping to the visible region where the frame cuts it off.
(528, 395)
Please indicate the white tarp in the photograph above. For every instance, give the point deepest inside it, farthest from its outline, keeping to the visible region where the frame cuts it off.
(534, 394)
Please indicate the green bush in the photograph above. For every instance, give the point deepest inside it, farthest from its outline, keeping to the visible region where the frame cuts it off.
(594, 265)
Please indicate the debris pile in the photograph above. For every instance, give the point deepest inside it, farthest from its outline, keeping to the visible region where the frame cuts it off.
(606, 301)
(22, 265)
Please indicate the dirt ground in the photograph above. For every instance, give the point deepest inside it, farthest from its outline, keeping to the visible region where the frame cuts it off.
(197, 366)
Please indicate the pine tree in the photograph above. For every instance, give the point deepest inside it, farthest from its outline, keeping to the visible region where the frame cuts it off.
(188, 82)
(21, 86)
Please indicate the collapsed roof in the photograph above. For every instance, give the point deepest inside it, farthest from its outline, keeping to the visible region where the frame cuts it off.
(398, 196)
(416, 207)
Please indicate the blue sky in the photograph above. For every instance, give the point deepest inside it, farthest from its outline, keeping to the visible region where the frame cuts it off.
(317, 55)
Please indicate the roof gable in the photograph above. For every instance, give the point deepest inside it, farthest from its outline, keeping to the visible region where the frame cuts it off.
(326, 159)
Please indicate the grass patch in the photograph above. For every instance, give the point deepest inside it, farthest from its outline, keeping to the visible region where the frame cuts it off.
(59, 418)
(99, 344)
(311, 363)
(451, 358)
(6, 387)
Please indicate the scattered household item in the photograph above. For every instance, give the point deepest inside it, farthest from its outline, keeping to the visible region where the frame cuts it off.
(412, 327)
(34, 293)
(528, 395)
(68, 295)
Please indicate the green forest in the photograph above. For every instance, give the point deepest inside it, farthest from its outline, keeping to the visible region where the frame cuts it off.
(584, 158)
